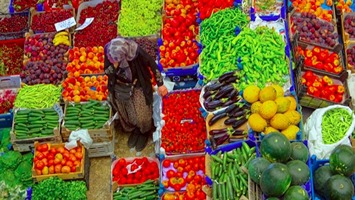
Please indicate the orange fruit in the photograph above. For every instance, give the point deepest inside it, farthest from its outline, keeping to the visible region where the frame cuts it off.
(76, 99)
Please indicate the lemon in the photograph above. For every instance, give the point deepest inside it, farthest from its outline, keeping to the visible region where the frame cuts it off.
(251, 93)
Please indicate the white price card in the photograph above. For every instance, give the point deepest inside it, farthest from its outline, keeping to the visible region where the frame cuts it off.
(86, 23)
(65, 24)
(59, 110)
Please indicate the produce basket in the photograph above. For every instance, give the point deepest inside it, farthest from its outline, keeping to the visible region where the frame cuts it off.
(104, 134)
(79, 174)
(311, 101)
(346, 36)
(349, 45)
(59, 18)
(7, 83)
(11, 56)
(214, 179)
(14, 25)
(115, 161)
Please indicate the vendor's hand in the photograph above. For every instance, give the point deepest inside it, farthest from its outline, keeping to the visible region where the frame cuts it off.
(162, 90)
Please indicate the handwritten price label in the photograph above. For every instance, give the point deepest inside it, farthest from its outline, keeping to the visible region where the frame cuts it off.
(65, 24)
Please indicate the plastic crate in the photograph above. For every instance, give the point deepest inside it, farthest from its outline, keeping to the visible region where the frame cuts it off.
(270, 17)
(315, 164)
(6, 120)
(39, 7)
(102, 149)
(311, 101)
(11, 18)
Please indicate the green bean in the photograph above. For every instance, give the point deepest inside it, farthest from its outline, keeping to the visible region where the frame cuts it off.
(335, 124)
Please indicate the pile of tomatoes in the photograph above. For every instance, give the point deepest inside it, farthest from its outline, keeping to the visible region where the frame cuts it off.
(184, 174)
(138, 170)
(185, 129)
(56, 159)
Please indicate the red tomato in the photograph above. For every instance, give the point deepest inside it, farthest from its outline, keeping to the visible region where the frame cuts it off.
(56, 161)
(121, 162)
(39, 165)
(39, 155)
(134, 167)
(60, 149)
(51, 169)
(166, 163)
(72, 158)
(38, 172)
(197, 178)
(50, 156)
(50, 162)
(65, 169)
(63, 161)
(179, 174)
(77, 163)
(53, 150)
(138, 161)
(176, 164)
(57, 168)
(182, 162)
(78, 149)
(66, 154)
(45, 153)
(170, 173)
(45, 161)
(79, 155)
(44, 147)
(72, 151)
(73, 169)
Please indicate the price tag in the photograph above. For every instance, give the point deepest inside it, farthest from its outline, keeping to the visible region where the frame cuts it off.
(65, 24)
(155, 136)
(87, 22)
(113, 118)
(59, 110)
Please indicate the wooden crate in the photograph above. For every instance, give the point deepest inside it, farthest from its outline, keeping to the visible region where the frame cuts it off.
(102, 149)
(80, 174)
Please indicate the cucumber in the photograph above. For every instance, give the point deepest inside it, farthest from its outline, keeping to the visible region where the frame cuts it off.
(86, 113)
(71, 117)
(100, 118)
(33, 126)
(72, 123)
(36, 115)
(47, 132)
(30, 119)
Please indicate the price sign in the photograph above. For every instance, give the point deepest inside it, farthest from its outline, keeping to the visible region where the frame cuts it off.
(87, 22)
(59, 110)
(65, 24)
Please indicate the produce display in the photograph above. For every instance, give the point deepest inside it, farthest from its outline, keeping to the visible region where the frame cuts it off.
(146, 14)
(86, 60)
(267, 7)
(38, 96)
(206, 8)
(349, 26)
(134, 171)
(13, 23)
(315, 31)
(147, 190)
(351, 57)
(11, 57)
(45, 58)
(327, 178)
(179, 32)
(78, 88)
(102, 29)
(345, 6)
(92, 115)
(5, 140)
(321, 59)
(59, 189)
(316, 7)
(150, 45)
(230, 179)
(272, 111)
(184, 130)
(277, 172)
(44, 21)
(20, 5)
(337, 121)
(323, 87)
(35, 123)
(7, 99)
(56, 159)
(185, 174)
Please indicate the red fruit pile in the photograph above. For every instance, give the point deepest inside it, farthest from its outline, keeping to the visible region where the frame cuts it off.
(138, 170)
(351, 57)
(20, 5)
(13, 23)
(44, 62)
(349, 25)
(102, 29)
(7, 98)
(185, 129)
(11, 57)
(185, 174)
(44, 21)
(207, 7)
(179, 31)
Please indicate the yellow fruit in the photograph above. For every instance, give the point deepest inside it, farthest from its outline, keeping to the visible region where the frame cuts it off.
(279, 90)
(280, 121)
(251, 93)
(291, 132)
(270, 129)
(268, 93)
(255, 107)
(293, 104)
(283, 104)
(268, 109)
(293, 116)
(256, 122)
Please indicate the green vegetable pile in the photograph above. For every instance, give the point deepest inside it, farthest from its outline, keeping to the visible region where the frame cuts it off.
(140, 17)
(217, 33)
(5, 139)
(38, 96)
(55, 188)
(263, 58)
(15, 174)
(335, 124)
(146, 190)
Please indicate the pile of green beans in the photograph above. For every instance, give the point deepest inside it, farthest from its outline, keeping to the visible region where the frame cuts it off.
(335, 124)
(38, 96)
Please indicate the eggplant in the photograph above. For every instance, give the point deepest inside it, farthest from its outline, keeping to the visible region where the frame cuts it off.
(238, 113)
(226, 76)
(221, 140)
(232, 94)
(224, 91)
(214, 104)
(230, 121)
(215, 118)
(237, 133)
(213, 143)
(213, 86)
(219, 131)
(232, 79)
(209, 99)
(232, 140)
(239, 123)
(231, 108)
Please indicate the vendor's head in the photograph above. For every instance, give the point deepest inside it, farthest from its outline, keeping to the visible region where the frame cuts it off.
(120, 50)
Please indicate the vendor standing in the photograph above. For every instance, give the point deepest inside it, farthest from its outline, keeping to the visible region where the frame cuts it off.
(128, 67)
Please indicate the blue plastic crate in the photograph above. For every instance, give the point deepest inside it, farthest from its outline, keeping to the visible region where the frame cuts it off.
(6, 120)
(282, 15)
(315, 164)
(39, 7)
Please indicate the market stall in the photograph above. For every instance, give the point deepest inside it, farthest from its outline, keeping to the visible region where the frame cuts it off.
(261, 104)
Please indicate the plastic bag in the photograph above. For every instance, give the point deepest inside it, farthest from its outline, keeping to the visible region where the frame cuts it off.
(81, 135)
(313, 130)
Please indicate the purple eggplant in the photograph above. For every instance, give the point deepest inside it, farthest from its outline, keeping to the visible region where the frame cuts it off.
(232, 94)
(227, 75)
(232, 140)
(224, 91)
(215, 118)
(221, 140)
(239, 123)
(213, 86)
(214, 104)
(220, 131)
(232, 79)
(207, 94)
